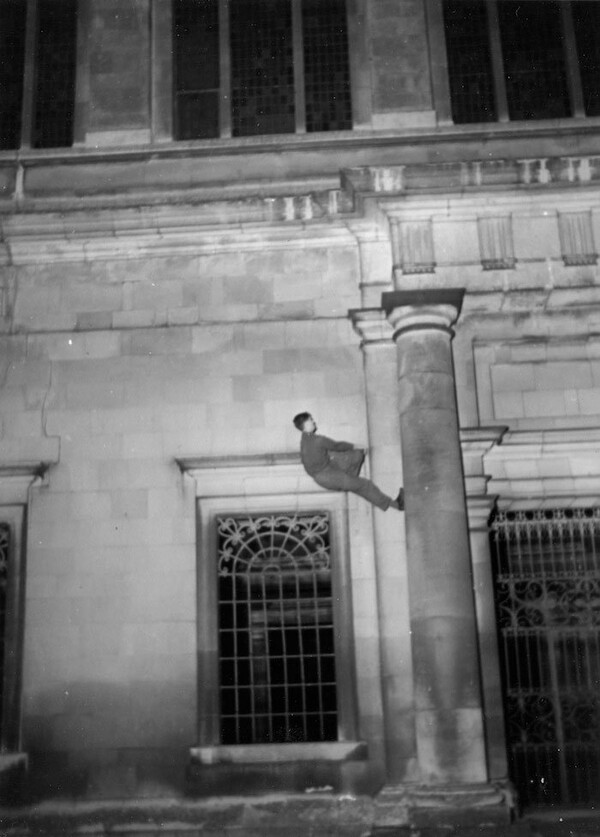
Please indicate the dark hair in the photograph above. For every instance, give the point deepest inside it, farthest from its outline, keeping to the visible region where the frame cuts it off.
(300, 419)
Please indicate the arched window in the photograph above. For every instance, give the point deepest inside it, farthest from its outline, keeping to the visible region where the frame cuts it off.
(276, 629)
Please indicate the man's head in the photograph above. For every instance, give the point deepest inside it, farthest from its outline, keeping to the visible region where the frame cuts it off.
(305, 423)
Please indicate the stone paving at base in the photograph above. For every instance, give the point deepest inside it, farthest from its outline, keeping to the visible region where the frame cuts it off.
(274, 816)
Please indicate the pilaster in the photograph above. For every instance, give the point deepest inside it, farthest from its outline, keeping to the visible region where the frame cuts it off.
(476, 443)
(385, 459)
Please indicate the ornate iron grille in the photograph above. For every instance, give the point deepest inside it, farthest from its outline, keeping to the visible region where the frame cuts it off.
(326, 67)
(196, 50)
(262, 67)
(276, 632)
(586, 21)
(55, 73)
(547, 566)
(12, 57)
(469, 61)
(4, 555)
(534, 65)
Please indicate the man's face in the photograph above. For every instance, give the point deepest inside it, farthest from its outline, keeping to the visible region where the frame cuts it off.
(309, 425)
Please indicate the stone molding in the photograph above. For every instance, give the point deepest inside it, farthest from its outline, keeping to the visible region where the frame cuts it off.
(476, 442)
(479, 174)
(372, 326)
(545, 468)
(147, 222)
(254, 475)
(154, 233)
(18, 477)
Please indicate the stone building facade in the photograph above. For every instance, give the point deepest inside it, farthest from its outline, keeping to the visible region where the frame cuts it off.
(186, 261)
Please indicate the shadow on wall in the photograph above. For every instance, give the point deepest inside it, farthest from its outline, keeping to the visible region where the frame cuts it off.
(110, 741)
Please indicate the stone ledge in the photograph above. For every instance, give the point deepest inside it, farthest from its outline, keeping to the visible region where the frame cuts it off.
(269, 753)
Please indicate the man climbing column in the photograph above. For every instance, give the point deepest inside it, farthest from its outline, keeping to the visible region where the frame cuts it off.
(336, 465)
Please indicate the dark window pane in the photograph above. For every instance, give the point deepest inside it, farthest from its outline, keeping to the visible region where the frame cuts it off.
(469, 61)
(12, 57)
(586, 20)
(326, 67)
(55, 73)
(262, 67)
(534, 64)
(196, 70)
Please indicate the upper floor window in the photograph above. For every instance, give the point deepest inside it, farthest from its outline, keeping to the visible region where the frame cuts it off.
(248, 67)
(509, 60)
(37, 72)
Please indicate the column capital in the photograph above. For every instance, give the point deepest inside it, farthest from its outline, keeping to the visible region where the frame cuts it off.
(371, 325)
(437, 309)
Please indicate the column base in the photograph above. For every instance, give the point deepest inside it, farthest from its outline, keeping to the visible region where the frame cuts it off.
(443, 807)
(13, 769)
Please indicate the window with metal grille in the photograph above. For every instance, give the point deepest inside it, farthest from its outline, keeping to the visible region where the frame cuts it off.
(37, 39)
(326, 66)
(534, 65)
(276, 629)
(12, 63)
(262, 68)
(4, 563)
(547, 578)
(509, 60)
(55, 73)
(469, 61)
(252, 67)
(586, 21)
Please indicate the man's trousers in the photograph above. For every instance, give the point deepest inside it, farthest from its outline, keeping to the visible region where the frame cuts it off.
(342, 475)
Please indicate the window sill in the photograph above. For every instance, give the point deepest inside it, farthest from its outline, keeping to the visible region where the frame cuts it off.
(270, 753)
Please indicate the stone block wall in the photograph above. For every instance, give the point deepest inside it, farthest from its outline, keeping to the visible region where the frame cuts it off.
(130, 364)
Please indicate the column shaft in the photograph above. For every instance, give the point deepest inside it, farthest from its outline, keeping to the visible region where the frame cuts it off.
(449, 724)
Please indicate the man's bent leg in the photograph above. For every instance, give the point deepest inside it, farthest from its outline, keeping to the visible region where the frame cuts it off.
(337, 480)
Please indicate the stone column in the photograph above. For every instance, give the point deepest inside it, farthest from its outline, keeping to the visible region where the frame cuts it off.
(449, 720)
(385, 460)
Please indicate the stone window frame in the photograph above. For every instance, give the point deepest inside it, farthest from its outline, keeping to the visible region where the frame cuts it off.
(162, 94)
(14, 517)
(17, 478)
(440, 77)
(29, 76)
(258, 484)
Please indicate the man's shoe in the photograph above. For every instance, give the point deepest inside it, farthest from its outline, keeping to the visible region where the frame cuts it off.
(400, 500)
